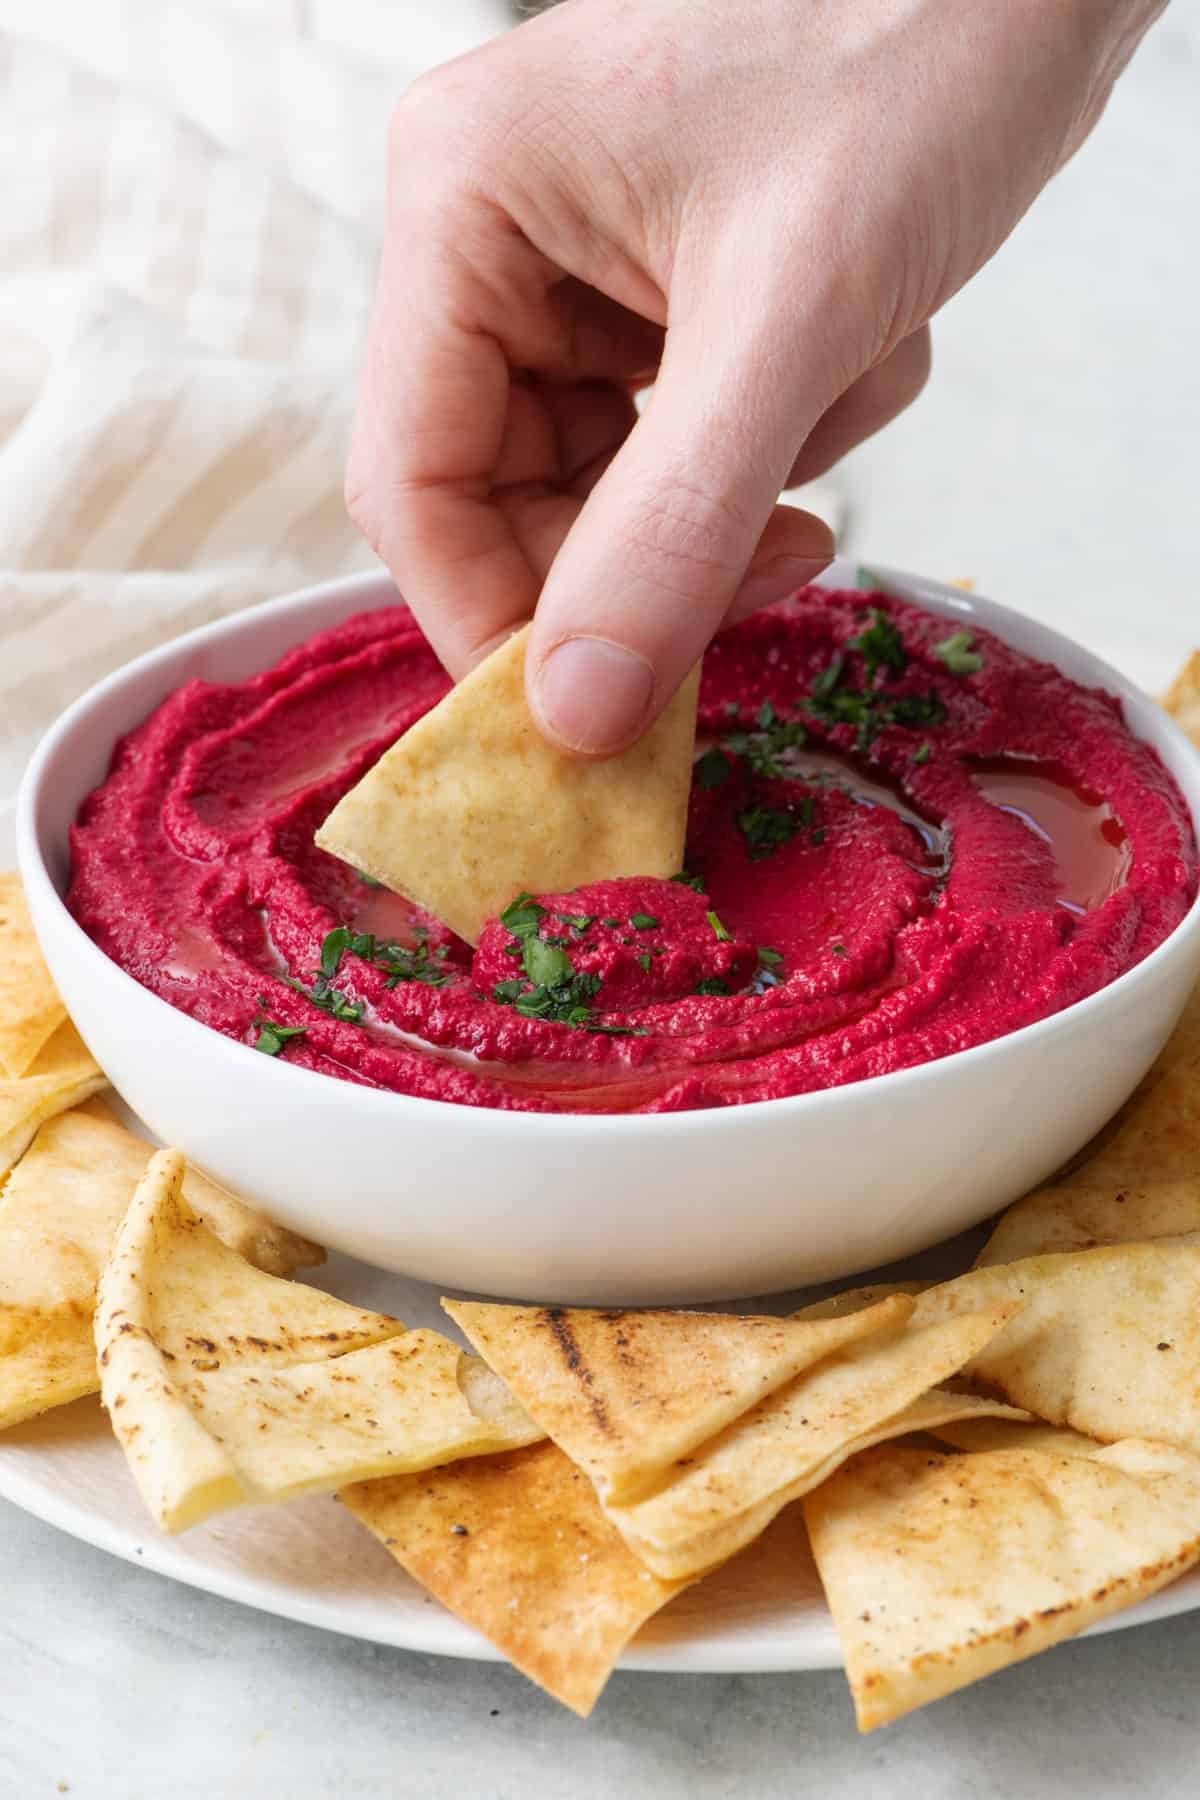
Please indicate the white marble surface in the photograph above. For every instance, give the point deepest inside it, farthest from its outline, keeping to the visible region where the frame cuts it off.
(1054, 459)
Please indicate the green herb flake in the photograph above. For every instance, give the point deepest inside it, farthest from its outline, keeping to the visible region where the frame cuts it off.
(819, 836)
(645, 961)
(644, 921)
(766, 829)
(720, 930)
(547, 965)
(334, 946)
(683, 879)
(839, 949)
(713, 984)
(613, 924)
(581, 921)
(273, 1038)
(829, 678)
(772, 958)
(958, 653)
(881, 645)
(522, 916)
(922, 756)
(712, 769)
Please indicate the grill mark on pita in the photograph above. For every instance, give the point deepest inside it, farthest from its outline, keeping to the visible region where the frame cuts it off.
(572, 1355)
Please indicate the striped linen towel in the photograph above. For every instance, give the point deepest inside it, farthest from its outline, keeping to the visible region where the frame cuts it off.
(192, 192)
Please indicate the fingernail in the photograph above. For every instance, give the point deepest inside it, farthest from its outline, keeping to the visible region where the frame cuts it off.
(593, 696)
(781, 576)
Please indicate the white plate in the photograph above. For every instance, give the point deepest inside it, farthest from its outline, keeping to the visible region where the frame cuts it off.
(310, 1560)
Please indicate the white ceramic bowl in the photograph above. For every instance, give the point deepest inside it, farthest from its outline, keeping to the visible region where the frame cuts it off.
(639, 1210)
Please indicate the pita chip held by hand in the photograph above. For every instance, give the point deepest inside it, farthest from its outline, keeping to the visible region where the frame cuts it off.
(473, 806)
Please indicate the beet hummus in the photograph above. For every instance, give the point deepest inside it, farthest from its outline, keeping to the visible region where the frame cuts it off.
(904, 839)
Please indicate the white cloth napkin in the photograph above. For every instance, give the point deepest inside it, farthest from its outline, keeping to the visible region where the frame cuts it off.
(191, 195)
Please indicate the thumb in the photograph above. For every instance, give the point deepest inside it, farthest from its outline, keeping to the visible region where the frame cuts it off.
(683, 519)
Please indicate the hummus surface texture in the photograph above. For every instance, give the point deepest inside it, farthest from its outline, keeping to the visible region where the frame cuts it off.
(904, 839)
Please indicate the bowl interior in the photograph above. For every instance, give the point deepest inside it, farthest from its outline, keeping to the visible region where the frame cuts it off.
(74, 758)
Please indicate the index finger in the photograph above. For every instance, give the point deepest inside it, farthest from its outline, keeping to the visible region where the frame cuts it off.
(427, 435)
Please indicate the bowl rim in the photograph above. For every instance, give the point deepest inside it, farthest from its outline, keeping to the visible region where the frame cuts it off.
(368, 587)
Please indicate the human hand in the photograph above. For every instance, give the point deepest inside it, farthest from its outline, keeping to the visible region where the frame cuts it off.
(760, 203)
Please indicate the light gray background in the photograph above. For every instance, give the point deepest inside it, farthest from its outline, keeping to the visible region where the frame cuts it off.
(1054, 459)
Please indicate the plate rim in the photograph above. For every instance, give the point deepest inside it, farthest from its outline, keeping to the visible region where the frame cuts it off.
(446, 1635)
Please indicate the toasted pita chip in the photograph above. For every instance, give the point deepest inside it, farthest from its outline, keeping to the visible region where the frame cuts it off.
(852, 1300)
(999, 1432)
(727, 1492)
(174, 1303)
(63, 1074)
(30, 1008)
(59, 1214)
(1107, 1341)
(392, 1408)
(626, 1394)
(517, 1546)
(942, 1569)
(1182, 699)
(472, 805)
(1058, 1219)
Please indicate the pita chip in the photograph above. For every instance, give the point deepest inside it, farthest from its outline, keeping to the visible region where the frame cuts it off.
(517, 1546)
(723, 1495)
(473, 806)
(59, 1214)
(1182, 699)
(175, 1304)
(854, 1299)
(61, 1075)
(942, 1569)
(1080, 1218)
(30, 1008)
(626, 1394)
(1107, 1341)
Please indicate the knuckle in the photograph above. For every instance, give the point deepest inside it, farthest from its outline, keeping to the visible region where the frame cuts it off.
(690, 530)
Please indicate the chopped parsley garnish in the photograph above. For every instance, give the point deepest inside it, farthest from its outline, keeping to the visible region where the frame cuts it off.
(614, 924)
(772, 958)
(333, 947)
(551, 987)
(713, 984)
(766, 829)
(580, 921)
(645, 961)
(683, 879)
(712, 769)
(829, 678)
(330, 999)
(643, 921)
(720, 930)
(369, 880)
(869, 712)
(547, 965)
(958, 654)
(398, 962)
(881, 645)
(838, 949)
(761, 749)
(273, 1037)
(922, 756)
(522, 916)
(819, 836)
